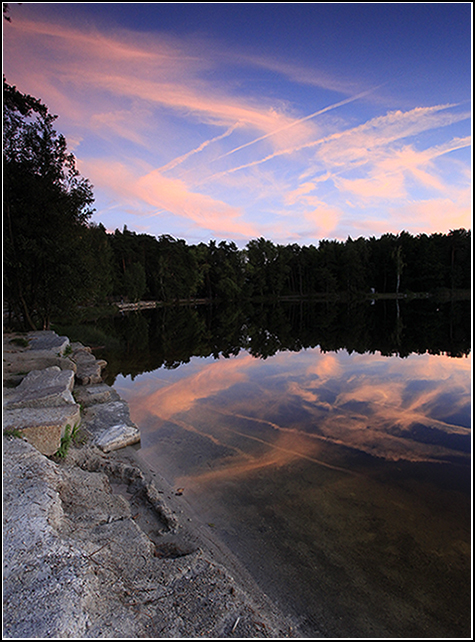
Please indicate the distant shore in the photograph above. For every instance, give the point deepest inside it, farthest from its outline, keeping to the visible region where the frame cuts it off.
(443, 294)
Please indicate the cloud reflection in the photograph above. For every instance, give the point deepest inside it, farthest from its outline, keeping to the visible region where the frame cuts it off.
(304, 406)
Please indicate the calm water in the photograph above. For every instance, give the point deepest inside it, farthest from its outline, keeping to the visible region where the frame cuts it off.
(328, 445)
(341, 481)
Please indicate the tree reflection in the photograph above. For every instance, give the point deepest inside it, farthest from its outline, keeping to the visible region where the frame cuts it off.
(171, 335)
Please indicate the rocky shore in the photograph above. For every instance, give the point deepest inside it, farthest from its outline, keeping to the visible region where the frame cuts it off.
(94, 544)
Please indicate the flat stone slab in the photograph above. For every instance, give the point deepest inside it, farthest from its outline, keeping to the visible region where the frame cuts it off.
(96, 393)
(48, 340)
(81, 562)
(42, 389)
(110, 425)
(42, 427)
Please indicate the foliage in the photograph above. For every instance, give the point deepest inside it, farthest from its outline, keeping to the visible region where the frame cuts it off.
(52, 256)
(220, 271)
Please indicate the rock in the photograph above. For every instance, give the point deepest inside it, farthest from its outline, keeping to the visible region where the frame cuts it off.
(17, 364)
(41, 407)
(33, 408)
(96, 393)
(110, 425)
(23, 353)
(44, 577)
(79, 564)
(49, 341)
(42, 389)
(88, 368)
(118, 436)
(42, 427)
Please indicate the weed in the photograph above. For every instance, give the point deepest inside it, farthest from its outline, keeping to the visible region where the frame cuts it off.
(69, 436)
(67, 350)
(12, 432)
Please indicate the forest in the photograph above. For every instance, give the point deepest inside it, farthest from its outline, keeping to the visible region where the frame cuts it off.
(167, 269)
(56, 259)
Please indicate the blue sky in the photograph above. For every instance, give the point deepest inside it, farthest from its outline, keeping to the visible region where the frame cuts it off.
(292, 121)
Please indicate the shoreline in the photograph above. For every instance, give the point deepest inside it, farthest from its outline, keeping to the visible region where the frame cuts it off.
(97, 544)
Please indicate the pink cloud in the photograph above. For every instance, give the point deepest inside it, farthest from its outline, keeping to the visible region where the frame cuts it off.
(153, 70)
(324, 218)
(173, 195)
(434, 215)
(151, 192)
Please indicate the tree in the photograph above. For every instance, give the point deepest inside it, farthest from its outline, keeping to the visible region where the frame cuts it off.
(135, 282)
(47, 206)
(399, 262)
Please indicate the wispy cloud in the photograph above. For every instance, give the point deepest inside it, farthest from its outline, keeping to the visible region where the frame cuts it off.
(299, 121)
(177, 161)
(189, 142)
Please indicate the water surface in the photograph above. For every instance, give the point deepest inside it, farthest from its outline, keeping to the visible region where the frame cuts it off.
(341, 480)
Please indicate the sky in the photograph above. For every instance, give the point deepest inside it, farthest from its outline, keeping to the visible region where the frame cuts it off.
(231, 121)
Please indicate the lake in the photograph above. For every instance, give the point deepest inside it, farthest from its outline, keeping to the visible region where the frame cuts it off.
(329, 449)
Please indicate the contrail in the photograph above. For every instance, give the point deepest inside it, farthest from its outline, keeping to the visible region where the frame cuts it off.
(172, 164)
(302, 120)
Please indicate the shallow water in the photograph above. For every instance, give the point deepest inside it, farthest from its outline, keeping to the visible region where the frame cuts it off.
(341, 481)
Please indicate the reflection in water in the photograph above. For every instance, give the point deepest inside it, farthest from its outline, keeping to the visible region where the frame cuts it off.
(341, 480)
(416, 409)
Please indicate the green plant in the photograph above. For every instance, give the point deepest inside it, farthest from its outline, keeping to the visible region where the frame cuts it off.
(69, 436)
(8, 432)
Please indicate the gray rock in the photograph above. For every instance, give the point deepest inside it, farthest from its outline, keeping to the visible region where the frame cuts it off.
(48, 340)
(43, 389)
(42, 427)
(44, 577)
(88, 368)
(79, 564)
(16, 364)
(110, 425)
(96, 393)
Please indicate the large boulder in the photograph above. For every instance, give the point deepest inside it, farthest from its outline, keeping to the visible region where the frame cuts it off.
(43, 428)
(48, 340)
(23, 353)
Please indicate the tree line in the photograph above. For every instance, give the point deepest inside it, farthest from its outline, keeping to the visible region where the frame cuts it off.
(168, 269)
(56, 258)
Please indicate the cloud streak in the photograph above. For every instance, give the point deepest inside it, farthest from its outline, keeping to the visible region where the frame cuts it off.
(164, 128)
(297, 122)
